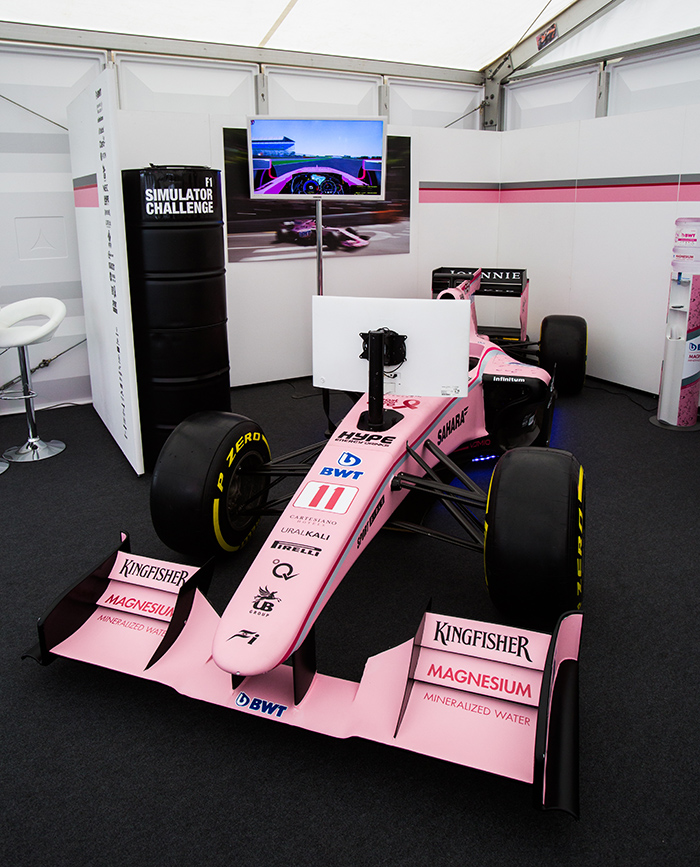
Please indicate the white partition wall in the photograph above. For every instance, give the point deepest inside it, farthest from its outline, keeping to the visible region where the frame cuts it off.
(537, 223)
(457, 215)
(38, 245)
(620, 269)
(589, 208)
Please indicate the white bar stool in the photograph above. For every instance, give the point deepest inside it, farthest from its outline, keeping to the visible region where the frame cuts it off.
(13, 333)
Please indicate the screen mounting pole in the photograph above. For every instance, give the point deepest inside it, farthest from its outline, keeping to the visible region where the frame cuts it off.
(326, 395)
(319, 246)
(375, 414)
(375, 417)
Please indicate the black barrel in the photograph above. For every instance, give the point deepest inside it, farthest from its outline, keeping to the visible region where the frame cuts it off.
(177, 274)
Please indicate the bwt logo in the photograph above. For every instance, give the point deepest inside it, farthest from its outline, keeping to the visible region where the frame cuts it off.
(345, 460)
(341, 473)
(348, 460)
(259, 704)
(694, 347)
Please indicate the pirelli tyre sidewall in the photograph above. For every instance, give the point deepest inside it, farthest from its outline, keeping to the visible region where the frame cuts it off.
(202, 501)
(534, 541)
(563, 351)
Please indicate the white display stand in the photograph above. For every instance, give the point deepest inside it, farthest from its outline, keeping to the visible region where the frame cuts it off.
(680, 373)
(97, 188)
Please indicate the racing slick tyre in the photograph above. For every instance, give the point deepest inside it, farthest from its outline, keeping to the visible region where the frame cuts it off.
(533, 543)
(203, 496)
(563, 348)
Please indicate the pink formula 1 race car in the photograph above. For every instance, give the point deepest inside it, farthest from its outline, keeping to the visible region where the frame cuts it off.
(303, 233)
(501, 697)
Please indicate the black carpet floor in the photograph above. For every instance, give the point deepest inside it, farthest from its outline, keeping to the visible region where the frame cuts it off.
(102, 769)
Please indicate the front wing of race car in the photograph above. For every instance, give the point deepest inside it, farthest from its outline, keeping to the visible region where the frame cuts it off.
(482, 695)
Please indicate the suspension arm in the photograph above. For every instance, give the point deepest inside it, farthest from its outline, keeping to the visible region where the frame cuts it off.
(434, 534)
(455, 500)
(439, 489)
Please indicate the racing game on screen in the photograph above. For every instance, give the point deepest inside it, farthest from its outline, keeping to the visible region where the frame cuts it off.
(316, 157)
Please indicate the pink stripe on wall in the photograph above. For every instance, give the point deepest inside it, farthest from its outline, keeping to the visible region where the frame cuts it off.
(599, 192)
(689, 193)
(450, 196)
(86, 197)
(539, 194)
(629, 193)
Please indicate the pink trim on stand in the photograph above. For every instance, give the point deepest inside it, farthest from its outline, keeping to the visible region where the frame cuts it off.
(86, 197)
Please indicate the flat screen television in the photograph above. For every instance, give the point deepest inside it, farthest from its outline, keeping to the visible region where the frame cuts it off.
(301, 158)
(437, 344)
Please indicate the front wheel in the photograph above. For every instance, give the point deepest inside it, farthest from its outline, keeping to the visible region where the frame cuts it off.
(533, 546)
(205, 494)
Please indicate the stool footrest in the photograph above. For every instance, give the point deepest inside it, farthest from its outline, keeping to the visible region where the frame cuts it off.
(16, 395)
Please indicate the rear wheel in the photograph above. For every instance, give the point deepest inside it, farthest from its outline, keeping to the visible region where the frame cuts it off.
(205, 495)
(563, 348)
(533, 546)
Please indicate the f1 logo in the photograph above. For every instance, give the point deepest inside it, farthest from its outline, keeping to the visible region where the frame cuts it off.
(326, 497)
(249, 636)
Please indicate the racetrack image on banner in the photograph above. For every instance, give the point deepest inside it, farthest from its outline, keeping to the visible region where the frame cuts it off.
(260, 231)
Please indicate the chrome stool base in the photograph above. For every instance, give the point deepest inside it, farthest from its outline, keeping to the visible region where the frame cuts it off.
(3, 466)
(33, 450)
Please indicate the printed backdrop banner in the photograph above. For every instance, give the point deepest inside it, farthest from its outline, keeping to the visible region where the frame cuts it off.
(97, 189)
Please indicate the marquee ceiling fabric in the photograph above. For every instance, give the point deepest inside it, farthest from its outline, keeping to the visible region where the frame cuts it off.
(458, 34)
